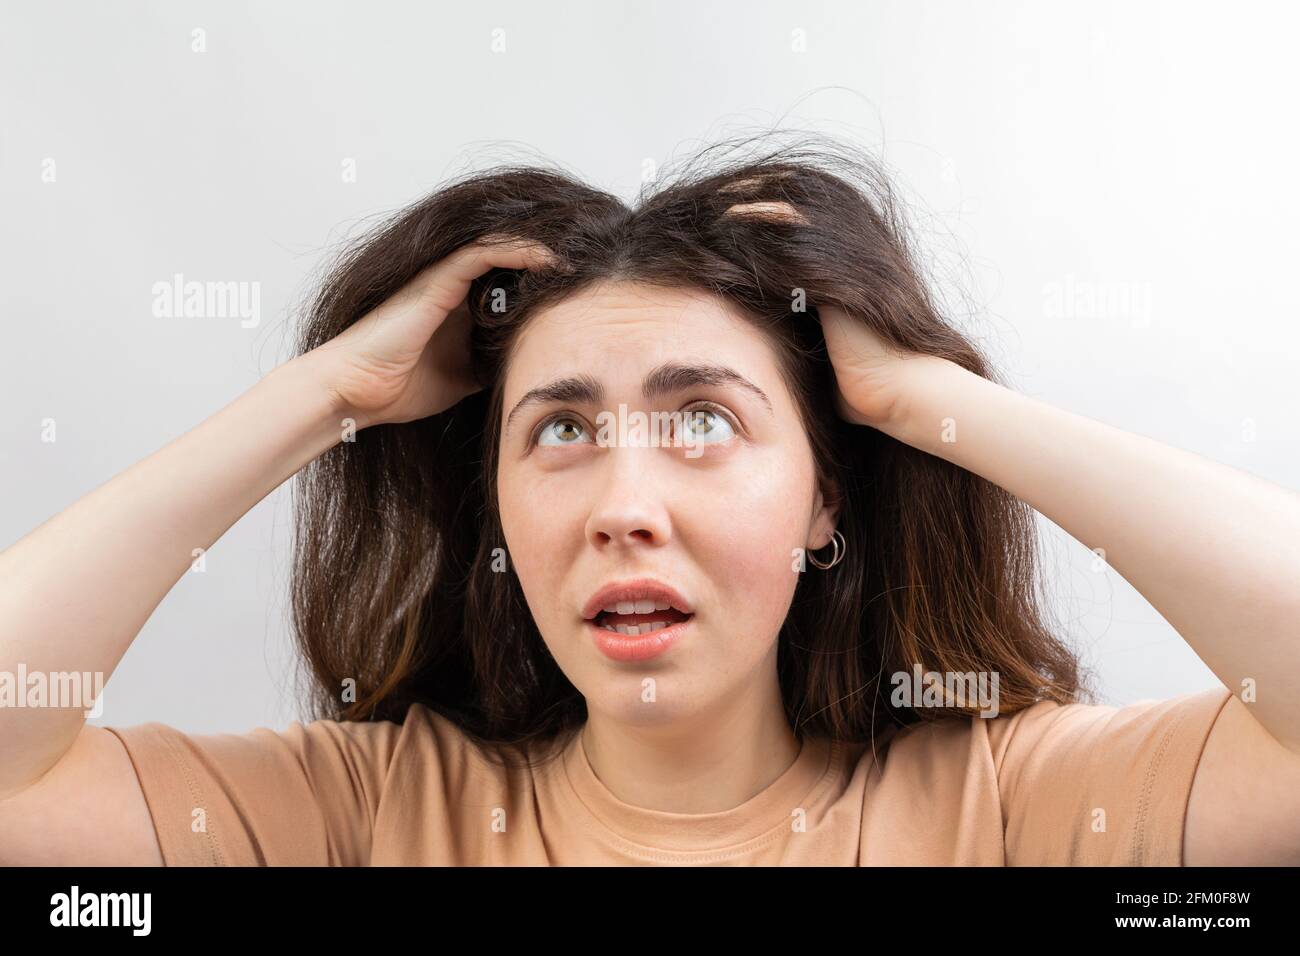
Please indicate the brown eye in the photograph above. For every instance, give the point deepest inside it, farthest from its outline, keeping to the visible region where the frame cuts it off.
(706, 426)
(561, 431)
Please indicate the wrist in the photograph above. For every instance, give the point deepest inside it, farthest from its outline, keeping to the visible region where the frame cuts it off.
(927, 395)
(316, 373)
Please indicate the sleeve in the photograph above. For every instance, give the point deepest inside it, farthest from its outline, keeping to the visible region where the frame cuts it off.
(1091, 785)
(305, 796)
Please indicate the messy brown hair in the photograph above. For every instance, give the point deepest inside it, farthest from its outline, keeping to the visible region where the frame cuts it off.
(393, 585)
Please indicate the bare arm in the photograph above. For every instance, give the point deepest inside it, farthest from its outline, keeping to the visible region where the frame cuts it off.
(1215, 550)
(75, 591)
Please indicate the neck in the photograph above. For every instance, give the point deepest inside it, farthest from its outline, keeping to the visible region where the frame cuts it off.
(713, 762)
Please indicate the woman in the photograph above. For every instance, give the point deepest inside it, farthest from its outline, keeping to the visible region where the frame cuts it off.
(792, 621)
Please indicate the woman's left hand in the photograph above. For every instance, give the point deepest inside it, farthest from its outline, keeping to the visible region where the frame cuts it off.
(874, 378)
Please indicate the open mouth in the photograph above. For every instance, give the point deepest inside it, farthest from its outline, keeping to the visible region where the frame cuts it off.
(638, 622)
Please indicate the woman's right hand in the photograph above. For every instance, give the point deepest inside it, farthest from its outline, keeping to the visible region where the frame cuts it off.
(409, 357)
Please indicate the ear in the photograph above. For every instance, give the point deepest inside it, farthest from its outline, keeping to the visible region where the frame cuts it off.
(825, 516)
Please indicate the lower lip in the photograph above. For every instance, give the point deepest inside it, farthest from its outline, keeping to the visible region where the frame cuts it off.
(644, 647)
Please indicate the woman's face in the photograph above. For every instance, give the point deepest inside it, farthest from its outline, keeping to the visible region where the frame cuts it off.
(720, 518)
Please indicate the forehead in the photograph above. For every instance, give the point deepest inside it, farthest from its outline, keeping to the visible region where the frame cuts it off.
(622, 327)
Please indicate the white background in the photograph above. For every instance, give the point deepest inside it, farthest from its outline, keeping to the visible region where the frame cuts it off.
(1136, 159)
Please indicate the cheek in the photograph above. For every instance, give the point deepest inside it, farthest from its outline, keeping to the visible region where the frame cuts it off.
(538, 534)
(756, 528)
(738, 526)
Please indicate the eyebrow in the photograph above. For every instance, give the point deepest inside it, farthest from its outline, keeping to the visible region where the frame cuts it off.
(662, 380)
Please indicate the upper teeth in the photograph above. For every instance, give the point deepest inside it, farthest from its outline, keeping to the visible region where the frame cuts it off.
(637, 607)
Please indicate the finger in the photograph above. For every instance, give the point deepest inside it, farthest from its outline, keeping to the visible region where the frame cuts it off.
(445, 284)
(471, 261)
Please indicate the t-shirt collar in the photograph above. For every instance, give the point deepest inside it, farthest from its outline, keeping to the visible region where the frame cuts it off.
(765, 812)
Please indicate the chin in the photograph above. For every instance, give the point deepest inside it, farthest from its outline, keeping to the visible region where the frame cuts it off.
(632, 699)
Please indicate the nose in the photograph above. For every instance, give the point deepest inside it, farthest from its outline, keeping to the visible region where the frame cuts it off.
(629, 509)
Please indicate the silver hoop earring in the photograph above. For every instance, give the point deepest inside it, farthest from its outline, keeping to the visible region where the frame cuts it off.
(841, 546)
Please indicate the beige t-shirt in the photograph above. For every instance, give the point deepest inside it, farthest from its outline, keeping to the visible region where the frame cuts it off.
(1052, 784)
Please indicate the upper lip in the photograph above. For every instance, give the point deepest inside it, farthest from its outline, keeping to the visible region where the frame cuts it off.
(639, 589)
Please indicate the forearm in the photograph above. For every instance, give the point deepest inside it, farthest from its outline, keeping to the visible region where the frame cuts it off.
(1215, 550)
(75, 591)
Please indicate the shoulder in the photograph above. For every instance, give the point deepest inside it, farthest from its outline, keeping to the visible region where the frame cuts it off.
(423, 737)
(1067, 783)
(424, 743)
(1097, 737)
(310, 793)
(432, 747)
(1051, 726)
